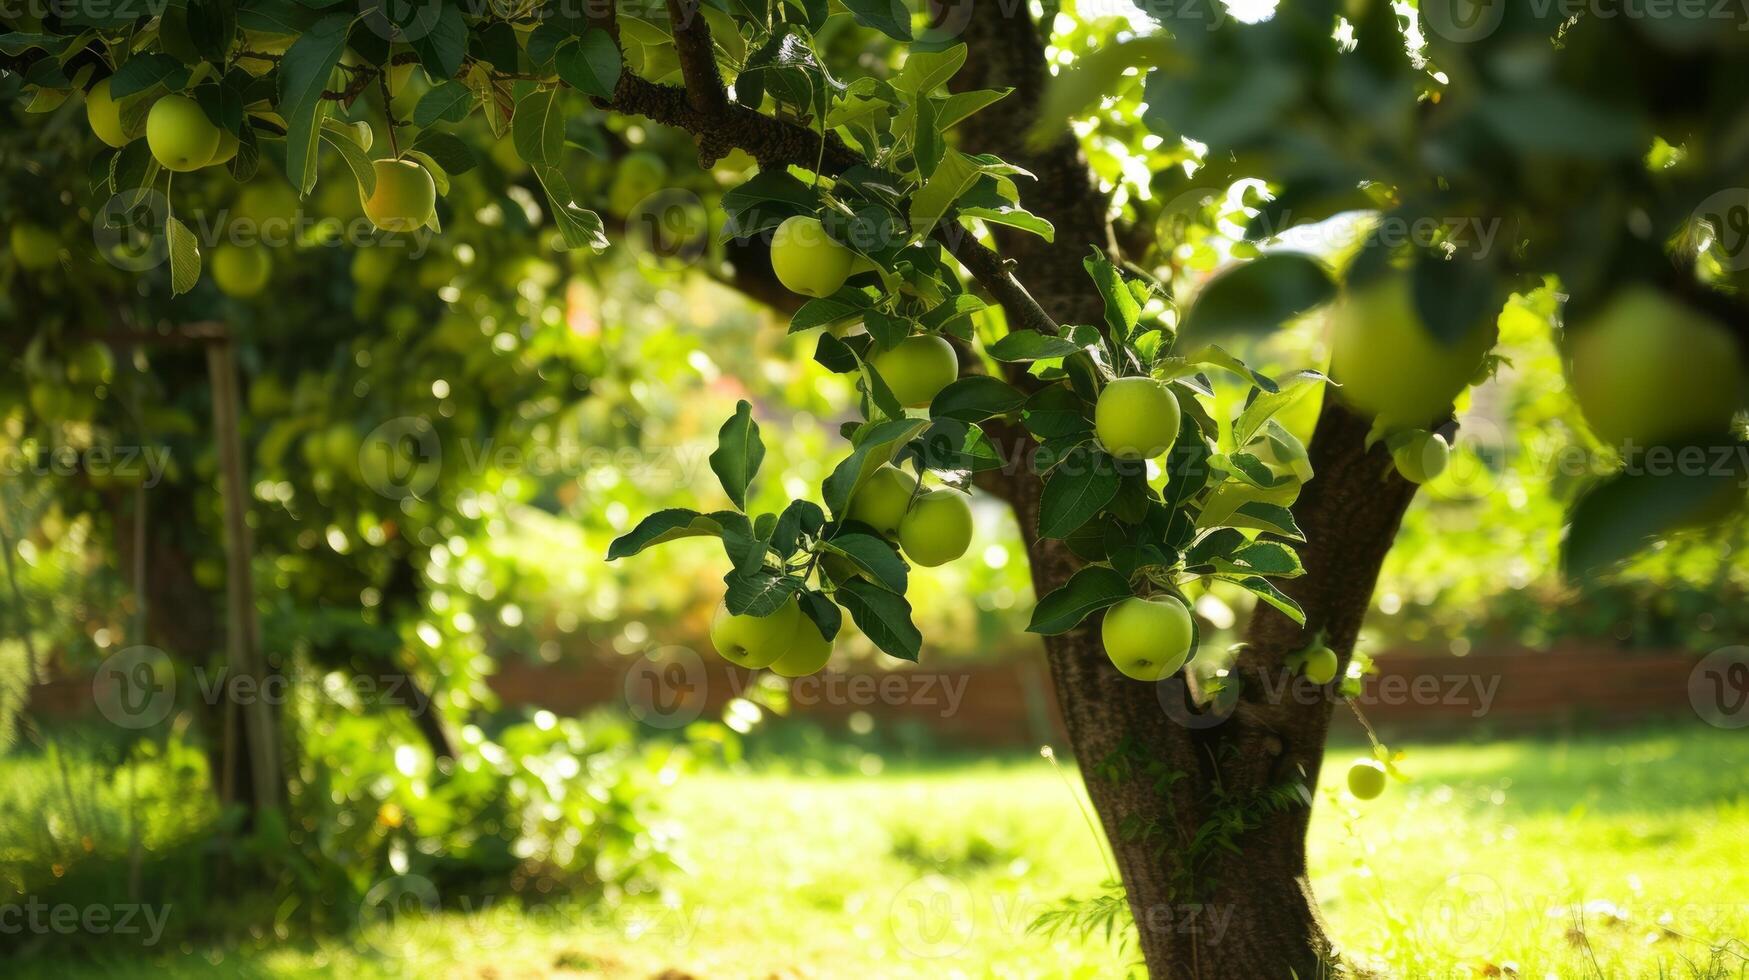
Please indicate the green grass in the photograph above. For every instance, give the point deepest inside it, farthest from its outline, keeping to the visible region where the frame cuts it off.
(1616, 855)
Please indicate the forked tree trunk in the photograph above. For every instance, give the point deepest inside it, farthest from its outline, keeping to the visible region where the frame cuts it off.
(1174, 783)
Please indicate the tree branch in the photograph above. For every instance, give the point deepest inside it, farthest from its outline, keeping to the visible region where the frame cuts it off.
(698, 59)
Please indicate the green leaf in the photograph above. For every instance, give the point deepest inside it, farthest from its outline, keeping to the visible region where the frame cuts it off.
(184, 257)
(823, 611)
(578, 226)
(883, 616)
(442, 49)
(447, 151)
(1077, 489)
(976, 398)
(1056, 412)
(887, 16)
(800, 517)
(952, 177)
(141, 72)
(739, 453)
(1261, 516)
(926, 71)
(362, 170)
(1030, 345)
(592, 65)
(1619, 517)
(1122, 312)
(304, 73)
(758, 593)
(876, 556)
(1266, 590)
(1187, 464)
(843, 306)
(1089, 590)
(1261, 558)
(926, 139)
(449, 101)
(1258, 296)
(538, 127)
(874, 446)
(661, 527)
(1267, 405)
(959, 106)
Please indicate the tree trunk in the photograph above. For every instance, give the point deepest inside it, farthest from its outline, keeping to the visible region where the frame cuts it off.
(1174, 783)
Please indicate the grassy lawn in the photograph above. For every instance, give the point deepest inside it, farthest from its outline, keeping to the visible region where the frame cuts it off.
(1617, 855)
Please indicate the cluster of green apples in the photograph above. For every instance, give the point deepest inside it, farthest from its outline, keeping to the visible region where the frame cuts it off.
(1147, 637)
(932, 527)
(786, 641)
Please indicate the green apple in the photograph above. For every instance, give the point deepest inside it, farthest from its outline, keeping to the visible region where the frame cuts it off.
(1147, 639)
(938, 527)
(1421, 456)
(1320, 665)
(372, 268)
(807, 260)
(182, 138)
(918, 368)
(1389, 365)
(241, 271)
(34, 247)
(405, 197)
(1649, 370)
(1366, 779)
(1136, 418)
(228, 145)
(754, 641)
(808, 650)
(104, 115)
(883, 498)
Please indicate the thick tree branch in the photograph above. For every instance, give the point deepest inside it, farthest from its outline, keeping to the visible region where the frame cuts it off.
(698, 59)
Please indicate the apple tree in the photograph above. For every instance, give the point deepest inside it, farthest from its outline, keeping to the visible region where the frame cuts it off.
(1012, 230)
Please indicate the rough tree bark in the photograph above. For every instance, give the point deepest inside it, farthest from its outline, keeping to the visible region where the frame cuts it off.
(1164, 776)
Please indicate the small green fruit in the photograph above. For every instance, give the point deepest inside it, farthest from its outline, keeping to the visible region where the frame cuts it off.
(938, 527)
(1422, 456)
(754, 641)
(1147, 639)
(405, 197)
(1320, 666)
(104, 115)
(882, 500)
(241, 271)
(808, 651)
(182, 138)
(918, 368)
(807, 260)
(228, 145)
(1366, 779)
(1136, 418)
